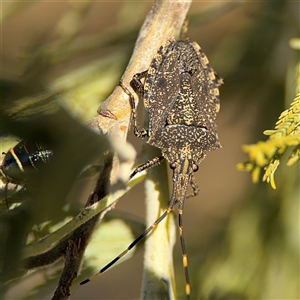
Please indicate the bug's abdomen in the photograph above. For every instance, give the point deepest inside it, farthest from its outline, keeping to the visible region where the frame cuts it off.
(23, 157)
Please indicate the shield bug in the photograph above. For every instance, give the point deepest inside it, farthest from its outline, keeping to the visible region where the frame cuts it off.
(23, 157)
(181, 96)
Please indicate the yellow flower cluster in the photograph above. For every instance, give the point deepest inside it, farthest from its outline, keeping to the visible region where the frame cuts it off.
(268, 154)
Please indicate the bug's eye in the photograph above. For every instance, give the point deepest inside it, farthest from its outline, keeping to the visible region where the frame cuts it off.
(195, 168)
(172, 166)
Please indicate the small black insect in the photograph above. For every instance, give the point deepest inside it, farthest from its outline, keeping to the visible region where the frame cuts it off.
(23, 157)
(181, 96)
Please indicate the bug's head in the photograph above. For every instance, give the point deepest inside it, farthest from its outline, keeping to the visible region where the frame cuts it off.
(184, 165)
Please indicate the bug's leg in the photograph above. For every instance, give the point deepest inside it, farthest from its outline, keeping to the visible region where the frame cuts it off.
(194, 186)
(183, 250)
(138, 239)
(137, 84)
(219, 79)
(140, 133)
(149, 164)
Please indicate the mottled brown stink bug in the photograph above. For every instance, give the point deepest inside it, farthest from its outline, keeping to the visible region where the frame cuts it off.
(181, 95)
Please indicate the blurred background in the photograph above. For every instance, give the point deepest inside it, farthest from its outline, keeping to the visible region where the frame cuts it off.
(242, 238)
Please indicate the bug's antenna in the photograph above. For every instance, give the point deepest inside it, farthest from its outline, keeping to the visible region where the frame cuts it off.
(187, 178)
(195, 188)
(183, 251)
(137, 240)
